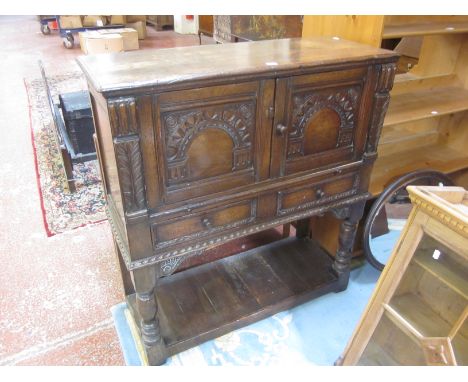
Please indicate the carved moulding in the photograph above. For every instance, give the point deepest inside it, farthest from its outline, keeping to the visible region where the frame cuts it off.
(448, 219)
(160, 256)
(305, 105)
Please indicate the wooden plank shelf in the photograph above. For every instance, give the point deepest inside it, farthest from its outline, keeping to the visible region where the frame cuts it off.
(420, 316)
(435, 156)
(413, 106)
(451, 274)
(375, 355)
(407, 30)
(213, 299)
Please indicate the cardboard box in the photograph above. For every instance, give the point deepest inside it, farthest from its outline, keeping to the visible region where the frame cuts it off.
(93, 42)
(129, 35)
(135, 18)
(71, 22)
(94, 21)
(140, 27)
(116, 19)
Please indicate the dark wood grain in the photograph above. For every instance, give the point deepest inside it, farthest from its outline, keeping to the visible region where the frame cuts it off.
(201, 146)
(210, 300)
(162, 67)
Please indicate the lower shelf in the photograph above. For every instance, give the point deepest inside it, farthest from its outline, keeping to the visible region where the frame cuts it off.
(210, 300)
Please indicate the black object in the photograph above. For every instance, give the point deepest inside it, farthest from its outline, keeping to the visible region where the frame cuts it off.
(396, 193)
(62, 137)
(76, 111)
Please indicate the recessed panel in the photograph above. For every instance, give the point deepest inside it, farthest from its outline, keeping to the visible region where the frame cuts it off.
(322, 131)
(210, 154)
(208, 141)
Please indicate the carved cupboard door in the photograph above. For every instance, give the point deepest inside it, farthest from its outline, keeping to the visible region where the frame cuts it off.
(318, 121)
(213, 139)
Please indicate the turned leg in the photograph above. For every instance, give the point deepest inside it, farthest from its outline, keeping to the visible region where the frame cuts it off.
(346, 238)
(144, 280)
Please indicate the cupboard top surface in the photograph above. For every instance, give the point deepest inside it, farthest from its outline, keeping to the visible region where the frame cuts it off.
(158, 67)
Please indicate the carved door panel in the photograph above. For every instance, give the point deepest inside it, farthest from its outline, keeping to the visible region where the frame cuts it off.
(318, 121)
(213, 139)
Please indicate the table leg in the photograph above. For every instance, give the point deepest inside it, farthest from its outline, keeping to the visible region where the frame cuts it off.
(144, 280)
(346, 238)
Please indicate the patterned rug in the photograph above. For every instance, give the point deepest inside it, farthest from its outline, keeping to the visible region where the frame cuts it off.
(62, 210)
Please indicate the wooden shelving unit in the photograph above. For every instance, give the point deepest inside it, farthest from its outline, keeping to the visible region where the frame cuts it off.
(424, 29)
(427, 103)
(426, 125)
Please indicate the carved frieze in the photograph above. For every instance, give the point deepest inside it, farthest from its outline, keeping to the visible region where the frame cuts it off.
(305, 105)
(131, 176)
(163, 255)
(181, 127)
(123, 116)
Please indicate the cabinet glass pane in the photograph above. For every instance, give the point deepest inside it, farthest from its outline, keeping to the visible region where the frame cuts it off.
(460, 345)
(390, 346)
(433, 291)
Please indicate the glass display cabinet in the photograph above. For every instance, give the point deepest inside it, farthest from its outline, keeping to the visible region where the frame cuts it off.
(418, 312)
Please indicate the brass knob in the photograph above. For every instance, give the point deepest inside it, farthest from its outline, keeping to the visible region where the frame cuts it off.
(319, 193)
(206, 222)
(281, 129)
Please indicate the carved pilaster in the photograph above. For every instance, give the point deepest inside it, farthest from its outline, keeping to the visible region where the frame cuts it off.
(381, 103)
(130, 167)
(123, 116)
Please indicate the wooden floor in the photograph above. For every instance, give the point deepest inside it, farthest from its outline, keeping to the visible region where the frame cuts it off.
(212, 299)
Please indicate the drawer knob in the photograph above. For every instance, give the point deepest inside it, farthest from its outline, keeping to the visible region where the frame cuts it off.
(206, 222)
(319, 193)
(280, 129)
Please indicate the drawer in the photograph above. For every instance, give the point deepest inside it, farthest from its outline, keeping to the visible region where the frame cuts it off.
(204, 223)
(312, 195)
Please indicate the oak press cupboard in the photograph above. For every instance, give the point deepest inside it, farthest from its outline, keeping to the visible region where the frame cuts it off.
(202, 145)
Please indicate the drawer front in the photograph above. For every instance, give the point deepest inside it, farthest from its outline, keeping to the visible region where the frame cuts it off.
(212, 139)
(201, 224)
(318, 121)
(309, 196)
